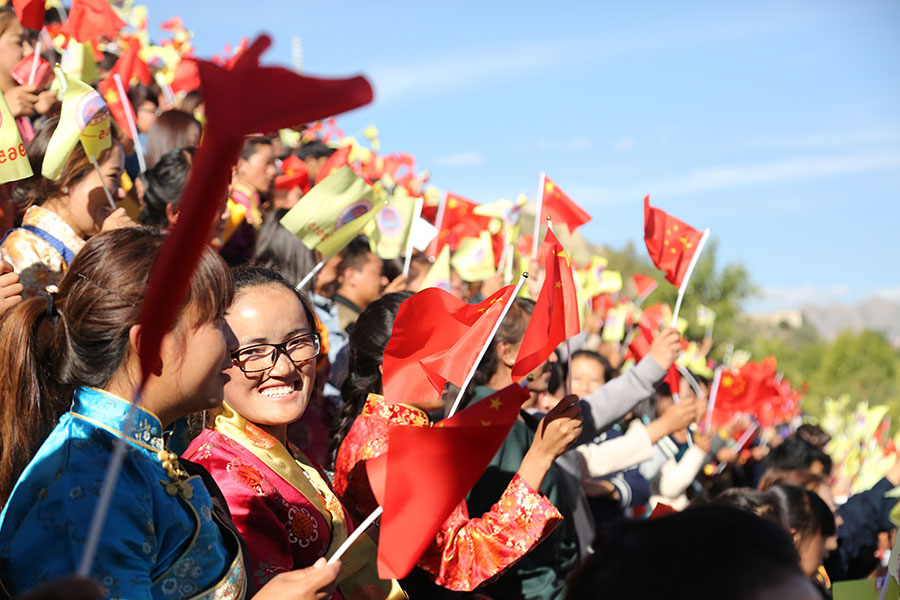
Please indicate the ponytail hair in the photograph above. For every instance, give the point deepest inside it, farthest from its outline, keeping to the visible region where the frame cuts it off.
(79, 335)
(367, 343)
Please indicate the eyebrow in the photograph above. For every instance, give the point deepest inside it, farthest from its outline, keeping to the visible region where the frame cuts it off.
(287, 336)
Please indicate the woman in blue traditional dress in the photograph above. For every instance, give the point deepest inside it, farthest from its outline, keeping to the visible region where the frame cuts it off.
(164, 537)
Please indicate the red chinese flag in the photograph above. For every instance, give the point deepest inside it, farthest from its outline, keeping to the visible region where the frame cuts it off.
(560, 208)
(339, 158)
(30, 13)
(91, 20)
(294, 175)
(673, 378)
(187, 77)
(281, 99)
(460, 221)
(670, 242)
(555, 317)
(436, 338)
(427, 472)
(644, 285)
(640, 344)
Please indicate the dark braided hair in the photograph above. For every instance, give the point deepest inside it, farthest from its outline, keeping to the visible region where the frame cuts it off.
(367, 342)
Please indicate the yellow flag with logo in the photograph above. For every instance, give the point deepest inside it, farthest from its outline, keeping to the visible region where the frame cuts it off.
(392, 225)
(14, 163)
(591, 278)
(614, 324)
(706, 317)
(83, 110)
(439, 274)
(610, 282)
(337, 201)
(338, 240)
(474, 258)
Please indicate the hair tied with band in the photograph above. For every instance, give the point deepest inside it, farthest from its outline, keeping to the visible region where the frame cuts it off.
(50, 293)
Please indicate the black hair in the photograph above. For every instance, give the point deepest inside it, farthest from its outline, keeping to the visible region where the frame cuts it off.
(558, 374)
(797, 453)
(354, 255)
(252, 144)
(279, 249)
(366, 344)
(673, 557)
(138, 94)
(163, 185)
(248, 276)
(314, 149)
(805, 511)
(762, 504)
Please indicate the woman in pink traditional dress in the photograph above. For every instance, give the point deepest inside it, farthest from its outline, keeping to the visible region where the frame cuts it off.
(281, 503)
(466, 552)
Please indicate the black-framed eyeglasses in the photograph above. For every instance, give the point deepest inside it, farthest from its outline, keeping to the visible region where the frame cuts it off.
(262, 357)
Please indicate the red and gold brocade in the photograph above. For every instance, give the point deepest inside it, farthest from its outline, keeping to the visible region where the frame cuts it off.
(466, 552)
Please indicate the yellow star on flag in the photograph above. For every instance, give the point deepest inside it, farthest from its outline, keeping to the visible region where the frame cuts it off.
(485, 423)
(496, 403)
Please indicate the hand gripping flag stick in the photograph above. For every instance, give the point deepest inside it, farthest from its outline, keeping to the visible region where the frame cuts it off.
(355, 535)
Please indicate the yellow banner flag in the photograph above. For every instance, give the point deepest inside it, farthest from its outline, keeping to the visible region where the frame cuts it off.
(592, 276)
(439, 273)
(336, 242)
(78, 62)
(610, 282)
(614, 324)
(474, 258)
(392, 225)
(14, 163)
(337, 201)
(706, 317)
(81, 104)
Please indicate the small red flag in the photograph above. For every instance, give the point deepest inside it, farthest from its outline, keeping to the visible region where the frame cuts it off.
(187, 77)
(555, 317)
(427, 472)
(30, 13)
(91, 20)
(644, 285)
(640, 344)
(560, 208)
(670, 242)
(673, 378)
(436, 338)
(460, 221)
(295, 175)
(128, 66)
(339, 158)
(281, 99)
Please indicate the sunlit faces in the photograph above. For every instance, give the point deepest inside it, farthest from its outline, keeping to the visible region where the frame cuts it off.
(364, 285)
(86, 205)
(259, 170)
(588, 374)
(146, 115)
(270, 314)
(13, 47)
(812, 552)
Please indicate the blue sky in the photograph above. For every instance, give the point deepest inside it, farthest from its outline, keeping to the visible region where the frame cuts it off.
(776, 124)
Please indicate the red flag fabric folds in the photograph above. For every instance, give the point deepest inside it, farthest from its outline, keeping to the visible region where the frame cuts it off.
(295, 175)
(670, 242)
(560, 208)
(91, 20)
(340, 158)
(644, 285)
(460, 221)
(427, 472)
(436, 338)
(555, 317)
(30, 13)
(281, 98)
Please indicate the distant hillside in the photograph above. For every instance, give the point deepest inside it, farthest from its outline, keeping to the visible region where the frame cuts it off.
(876, 314)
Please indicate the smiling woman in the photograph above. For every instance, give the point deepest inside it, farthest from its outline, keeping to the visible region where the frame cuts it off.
(281, 502)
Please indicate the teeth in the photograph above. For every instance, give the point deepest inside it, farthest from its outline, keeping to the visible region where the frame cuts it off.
(282, 390)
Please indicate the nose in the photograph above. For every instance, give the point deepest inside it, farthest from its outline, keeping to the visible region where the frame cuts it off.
(283, 365)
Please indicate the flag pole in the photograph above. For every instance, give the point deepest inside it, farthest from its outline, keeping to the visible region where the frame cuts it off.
(355, 535)
(409, 238)
(439, 223)
(112, 202)
(311, 274)
(713, 392)
(35, 62)
(690, 379)
(129, 116)
(688, 273)
(487, 343)
(537, 216)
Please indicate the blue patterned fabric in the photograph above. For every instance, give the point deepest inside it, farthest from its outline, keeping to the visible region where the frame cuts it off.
(155, 544)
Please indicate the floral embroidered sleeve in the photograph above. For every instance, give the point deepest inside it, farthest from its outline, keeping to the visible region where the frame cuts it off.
(468, 552)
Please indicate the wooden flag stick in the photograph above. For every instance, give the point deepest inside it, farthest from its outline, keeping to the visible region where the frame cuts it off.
(687, 275)
(487, 343)
(417, 212)
(132, 126)
(109, 197)
(311, 274)
(537, 217)
(713, 392)
(355, 535)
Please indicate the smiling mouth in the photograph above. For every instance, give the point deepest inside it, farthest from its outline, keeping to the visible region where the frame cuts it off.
(278, 391)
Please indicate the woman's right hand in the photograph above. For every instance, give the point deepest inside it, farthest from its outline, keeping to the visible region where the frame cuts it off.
(10, 288)
(117, 219)
(555, 433)
(317, 582)
(21, 100)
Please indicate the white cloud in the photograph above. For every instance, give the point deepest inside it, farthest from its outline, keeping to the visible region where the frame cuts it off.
(738, 176)
(623, 144)
(461, 159)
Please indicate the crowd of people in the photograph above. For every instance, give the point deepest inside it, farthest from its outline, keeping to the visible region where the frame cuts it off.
(245, 466)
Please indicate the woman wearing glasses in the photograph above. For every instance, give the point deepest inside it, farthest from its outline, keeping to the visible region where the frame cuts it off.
(281, 503)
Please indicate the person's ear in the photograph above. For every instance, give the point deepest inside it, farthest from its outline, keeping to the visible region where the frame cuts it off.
(507, 353)
(171, 214)
(134, 343)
